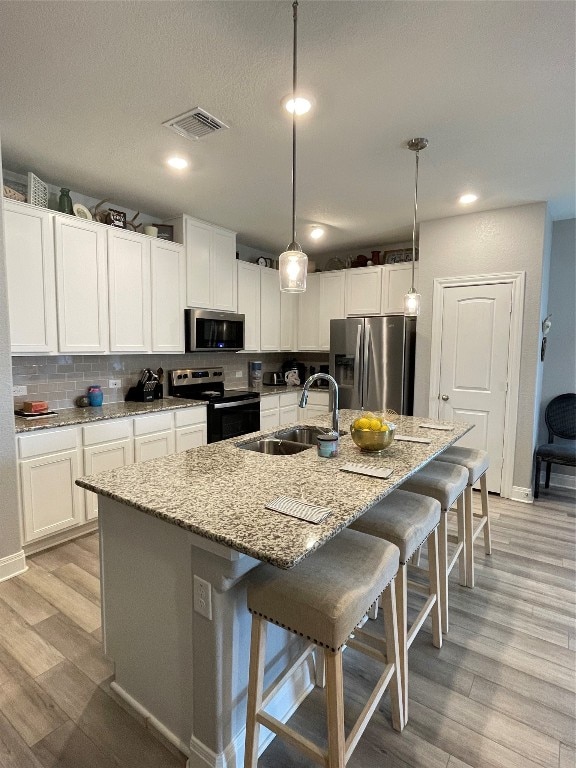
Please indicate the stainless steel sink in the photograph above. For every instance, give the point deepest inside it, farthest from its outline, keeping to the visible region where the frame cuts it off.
(274, 446)
(305, 434)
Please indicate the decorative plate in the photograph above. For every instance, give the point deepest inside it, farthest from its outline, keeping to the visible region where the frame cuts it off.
(81, 211)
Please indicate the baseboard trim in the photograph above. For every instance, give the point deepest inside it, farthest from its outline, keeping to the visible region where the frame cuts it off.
(12, 565)
(60, 537)
(522, 494)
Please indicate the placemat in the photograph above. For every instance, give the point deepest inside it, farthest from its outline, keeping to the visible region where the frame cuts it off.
(366, 469)
(311, 513)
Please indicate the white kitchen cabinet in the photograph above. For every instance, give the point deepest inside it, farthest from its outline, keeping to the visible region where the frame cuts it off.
(153, 436)
(364, 288)
(168, 295)
(318, 405)
(190, 428)
(288, 408)
(107, 445)
(397, 283)
(288, 321)
(249, 303)
(49, 465)
(210, 263)
(269, 412)
(269, 310)
(308, 315)
(332, 301)
(30, 278)
(81, 289)
(129, 291)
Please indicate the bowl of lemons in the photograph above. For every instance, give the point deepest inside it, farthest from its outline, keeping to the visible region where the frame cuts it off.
(372, 433)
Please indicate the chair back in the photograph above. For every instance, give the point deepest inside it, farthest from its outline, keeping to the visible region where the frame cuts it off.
(560, 417)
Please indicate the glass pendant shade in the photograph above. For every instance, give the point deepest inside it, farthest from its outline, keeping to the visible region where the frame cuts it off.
(411, 304)
(293, 266)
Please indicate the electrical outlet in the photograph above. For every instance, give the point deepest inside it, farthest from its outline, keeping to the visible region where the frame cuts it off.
(238, 374)
(19, 391)
(114, 383)
(203, 597)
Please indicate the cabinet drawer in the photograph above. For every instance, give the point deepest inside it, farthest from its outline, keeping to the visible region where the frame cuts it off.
(104, 433)
(318, 398)
(289, 398)
(189, 416)
(269, 403)
(158, 422)
(47, 442)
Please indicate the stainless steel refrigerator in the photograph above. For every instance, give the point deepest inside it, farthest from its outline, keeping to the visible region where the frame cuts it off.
(372, 359)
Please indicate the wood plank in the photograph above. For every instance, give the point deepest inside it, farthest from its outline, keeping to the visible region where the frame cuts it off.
(31, 651)
(80, 580)
(14, 752)
(64, 554)
(69, 747)
(25, 601)
(30, 710)
(69, 602)
(567, 756)
(90, 542)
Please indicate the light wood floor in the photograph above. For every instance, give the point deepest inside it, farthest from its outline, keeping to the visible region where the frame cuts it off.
(499, 694)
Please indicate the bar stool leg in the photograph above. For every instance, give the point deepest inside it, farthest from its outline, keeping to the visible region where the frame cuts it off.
(486, 514)
(335, 709)
(443, 568)
(401, 589)
(255, 687)
(434, 582)
(393, 655)
(469, 544)
(319, 668)
(460, 511)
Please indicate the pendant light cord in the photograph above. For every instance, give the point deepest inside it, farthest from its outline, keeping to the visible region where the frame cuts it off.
(412, 289)
(294, 79)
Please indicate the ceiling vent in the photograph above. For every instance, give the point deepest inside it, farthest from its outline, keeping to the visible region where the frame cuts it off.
(195, 124)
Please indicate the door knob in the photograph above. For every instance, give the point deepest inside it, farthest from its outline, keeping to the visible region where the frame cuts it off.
(445, 398)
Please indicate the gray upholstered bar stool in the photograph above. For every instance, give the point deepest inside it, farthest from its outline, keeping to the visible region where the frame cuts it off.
(445, 483)
(477, 463)
(409, 520)
(323, 599)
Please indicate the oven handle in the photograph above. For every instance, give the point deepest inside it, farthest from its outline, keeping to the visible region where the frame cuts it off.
(236, 404)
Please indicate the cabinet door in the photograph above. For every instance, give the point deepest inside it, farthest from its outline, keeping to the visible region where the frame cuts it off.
(364, 291)
(397, 283)
(249, 303)
(168, 288)
(269, 310)
(197, 240)
(332, 297)
(153, 446)
(308, 316)
(50, 499)
(288, 321)
(190, 437)
(223, 270)
(269, 419)
(311, 412)
(289, 414)
(100, 458)
(129, 291)
(81, 285)
(30, 276)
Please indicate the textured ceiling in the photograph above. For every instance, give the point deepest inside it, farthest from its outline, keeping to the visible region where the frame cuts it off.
(85, 87)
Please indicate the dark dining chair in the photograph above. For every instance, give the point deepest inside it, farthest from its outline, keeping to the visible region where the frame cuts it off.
(560, 417)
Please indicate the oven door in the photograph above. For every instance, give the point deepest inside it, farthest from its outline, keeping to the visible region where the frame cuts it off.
(233, 419)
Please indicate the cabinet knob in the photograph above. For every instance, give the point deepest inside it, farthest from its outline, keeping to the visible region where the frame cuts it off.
(445, 398)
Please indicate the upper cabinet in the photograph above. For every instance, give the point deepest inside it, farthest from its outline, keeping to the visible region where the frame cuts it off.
(397, 283)
(210, 263)
(378, 290)
(269, 310)
(81, 285)
(249, 303)
(168, 284)
(323, 301)
(309, 315)
(30, 276)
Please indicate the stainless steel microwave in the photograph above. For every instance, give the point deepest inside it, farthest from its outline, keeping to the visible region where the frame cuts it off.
(209, 331)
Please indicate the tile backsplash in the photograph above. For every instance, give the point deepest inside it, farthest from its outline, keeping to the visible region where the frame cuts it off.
(60, 379)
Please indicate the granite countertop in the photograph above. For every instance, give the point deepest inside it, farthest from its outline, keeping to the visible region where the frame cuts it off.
(219, 491)
(70, 416)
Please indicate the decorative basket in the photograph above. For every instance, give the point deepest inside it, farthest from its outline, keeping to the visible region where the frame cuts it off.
(11, 194)
(37, 191)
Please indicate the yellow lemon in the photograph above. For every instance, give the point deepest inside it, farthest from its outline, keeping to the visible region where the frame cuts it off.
(384, 428)
(361, 423)
(375, 424)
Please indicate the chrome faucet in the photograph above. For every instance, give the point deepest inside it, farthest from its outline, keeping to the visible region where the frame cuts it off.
(333, 388)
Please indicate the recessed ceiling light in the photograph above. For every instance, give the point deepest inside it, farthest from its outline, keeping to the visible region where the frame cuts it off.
(316, 233)
(177, 162)
(302, 105)
(468, 198)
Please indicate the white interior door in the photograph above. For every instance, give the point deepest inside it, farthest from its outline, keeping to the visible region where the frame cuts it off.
(476, 321)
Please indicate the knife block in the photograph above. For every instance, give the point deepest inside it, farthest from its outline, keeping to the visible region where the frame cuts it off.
(142, 393)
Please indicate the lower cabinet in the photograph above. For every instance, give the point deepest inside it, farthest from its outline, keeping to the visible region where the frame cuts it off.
(108, 445)
(49, 465)
(153, 436)
(190, 428)
(279, 409)
(318, 405)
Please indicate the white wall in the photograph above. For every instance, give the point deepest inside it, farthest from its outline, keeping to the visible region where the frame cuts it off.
(505, 240)
(10, 544)
(560, 361)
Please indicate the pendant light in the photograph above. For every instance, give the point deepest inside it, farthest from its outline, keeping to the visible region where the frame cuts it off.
(412, 299)
(293, 262)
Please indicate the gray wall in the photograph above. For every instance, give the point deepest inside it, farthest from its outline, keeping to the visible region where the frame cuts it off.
(9, 521)
(560, 361)
(505, 240)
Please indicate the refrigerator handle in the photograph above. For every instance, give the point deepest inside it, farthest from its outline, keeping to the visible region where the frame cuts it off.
(366, 364)
(358, 364)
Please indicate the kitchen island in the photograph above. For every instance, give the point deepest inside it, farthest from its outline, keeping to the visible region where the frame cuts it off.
(178, 536)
